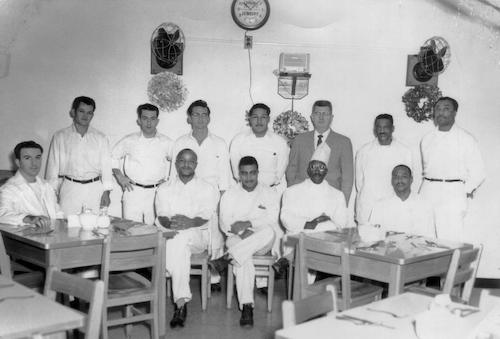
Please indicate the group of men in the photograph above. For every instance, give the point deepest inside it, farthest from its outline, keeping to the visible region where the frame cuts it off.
(186, 185)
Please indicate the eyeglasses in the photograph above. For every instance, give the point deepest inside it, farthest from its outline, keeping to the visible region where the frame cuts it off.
(318, 167)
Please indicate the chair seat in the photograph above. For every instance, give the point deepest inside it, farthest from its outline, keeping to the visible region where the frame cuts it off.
(129, 283)
(361, 293)
(31, 279)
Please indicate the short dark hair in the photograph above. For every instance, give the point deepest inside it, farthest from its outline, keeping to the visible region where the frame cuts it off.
(323, 103)
(248, 160)
(82, 99)
(186, 150)
(385, 116)
(198, 103)
(453, 102)
(25, 144)
(261, 106)
(147, 107)
(403, 166)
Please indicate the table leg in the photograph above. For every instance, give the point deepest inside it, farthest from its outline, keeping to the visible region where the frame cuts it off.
(162, 295)
(396, 284)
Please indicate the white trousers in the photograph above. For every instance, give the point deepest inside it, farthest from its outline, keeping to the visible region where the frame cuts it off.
(72, 196)
(242, 250)
(178, 259)
(138, 204)
(449, 203)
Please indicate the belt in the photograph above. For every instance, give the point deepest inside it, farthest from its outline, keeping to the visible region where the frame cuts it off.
(146, 186)
(82, 181)
(443, 180)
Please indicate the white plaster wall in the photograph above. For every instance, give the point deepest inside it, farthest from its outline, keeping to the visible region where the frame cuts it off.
(358, 53)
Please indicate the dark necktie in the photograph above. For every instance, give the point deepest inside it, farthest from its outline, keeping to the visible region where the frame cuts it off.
(320, 140)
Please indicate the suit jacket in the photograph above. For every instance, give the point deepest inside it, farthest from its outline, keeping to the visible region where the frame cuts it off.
(18, 200)
(340, 166)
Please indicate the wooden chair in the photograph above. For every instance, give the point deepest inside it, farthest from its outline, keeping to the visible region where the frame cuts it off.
(263, 268)
(26, 277)
(124, 286)
(83, 289)
(296, 312)
(333, 258)
(460, 278)
(199, 266)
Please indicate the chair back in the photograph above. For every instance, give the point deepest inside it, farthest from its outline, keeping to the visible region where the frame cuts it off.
(132, 253)
(5, 268)
(325, 256)
(463, 270)
(81, 288)
(296, 312)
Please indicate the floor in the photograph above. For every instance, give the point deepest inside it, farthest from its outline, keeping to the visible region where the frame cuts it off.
(221, 323)
(218, 321)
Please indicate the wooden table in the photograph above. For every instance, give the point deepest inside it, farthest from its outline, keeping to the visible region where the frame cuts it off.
(67, 248)
(398, 260)
(37, 314)
(407, 307)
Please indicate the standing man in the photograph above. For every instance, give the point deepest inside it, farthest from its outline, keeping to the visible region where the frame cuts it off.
(146, 156)
(213, 164)
(79, 162)
(453, 169)
(340, 165)
(185, 204)
(26, 198)
(404, 211)
(374, 163)
(249, 215)
(271, 152)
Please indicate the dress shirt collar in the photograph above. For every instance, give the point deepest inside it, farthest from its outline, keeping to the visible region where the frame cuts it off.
(141, 136)
(90, 130)
(453, 130)
(22, 180)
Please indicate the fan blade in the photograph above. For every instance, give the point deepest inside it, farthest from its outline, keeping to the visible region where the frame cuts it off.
(176, 35)
(162, 33)
(442, 52)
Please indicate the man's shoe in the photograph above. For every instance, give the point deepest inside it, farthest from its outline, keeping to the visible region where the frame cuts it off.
(262, 290)
(219, 264)
(281, 268)
(179, 317)
(246, 319)
(216, 287)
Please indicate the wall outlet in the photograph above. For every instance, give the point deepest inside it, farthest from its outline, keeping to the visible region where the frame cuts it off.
(248, 42)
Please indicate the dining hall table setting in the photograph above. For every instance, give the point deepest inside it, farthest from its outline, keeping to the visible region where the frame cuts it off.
(396, 259)
(67, 246)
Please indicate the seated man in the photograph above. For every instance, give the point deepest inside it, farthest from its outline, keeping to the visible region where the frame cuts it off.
(248, 215)
(404, 211)
(26, 198)
(185, 204)
(314, 204)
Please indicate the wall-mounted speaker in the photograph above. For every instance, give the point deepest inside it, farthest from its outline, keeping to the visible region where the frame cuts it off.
(416, 74)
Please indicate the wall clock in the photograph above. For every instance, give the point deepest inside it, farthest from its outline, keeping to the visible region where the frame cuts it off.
(250, 14)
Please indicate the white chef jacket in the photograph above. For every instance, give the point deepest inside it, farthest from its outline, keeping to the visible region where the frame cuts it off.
(19, 198)
(213, 159)
(413, 215)
(260, 207)
(146, 160)
(79, 157)
(374, 165)
(453, 155)
(305, 201)
(271, 152)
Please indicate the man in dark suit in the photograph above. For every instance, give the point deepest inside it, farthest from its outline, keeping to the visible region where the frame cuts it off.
(340, 165)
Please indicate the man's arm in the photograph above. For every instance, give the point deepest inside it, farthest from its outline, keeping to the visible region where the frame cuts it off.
(117, 155)
(53, 164)
(106, 172)
(292, 221)
(283, 158)
(359, 173)
(235, 156)
(475, 167)
(346, 167)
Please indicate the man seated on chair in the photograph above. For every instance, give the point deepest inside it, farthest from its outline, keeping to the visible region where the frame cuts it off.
(314, 204)
(248, 216)
(26, 198)
(404, 211)
(185, 204)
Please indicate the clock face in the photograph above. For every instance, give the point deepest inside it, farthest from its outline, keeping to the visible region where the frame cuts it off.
(250, 14)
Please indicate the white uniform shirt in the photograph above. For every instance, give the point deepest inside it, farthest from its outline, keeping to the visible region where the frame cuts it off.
(374, 165)
(213, 159)
(453, 155)
(271, 152)
(147, 160)
(197, 198)
(307, 200)
(260, 207)
(412, 216)
(18, 198)
(78, 157)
